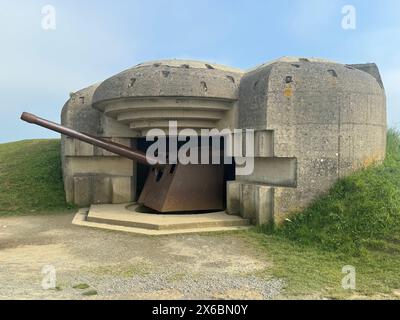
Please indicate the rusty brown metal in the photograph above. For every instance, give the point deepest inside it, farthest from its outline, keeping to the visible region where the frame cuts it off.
(99, 142)
(168, 188)
(190, 187)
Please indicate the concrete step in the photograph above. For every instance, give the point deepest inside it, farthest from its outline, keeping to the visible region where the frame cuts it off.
(126, 218)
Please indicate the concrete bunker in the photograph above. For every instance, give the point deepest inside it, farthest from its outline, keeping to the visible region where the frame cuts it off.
(314, 122)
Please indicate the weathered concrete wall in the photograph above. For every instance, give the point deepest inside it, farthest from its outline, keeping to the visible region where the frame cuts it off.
(330, 119)
(91, 174)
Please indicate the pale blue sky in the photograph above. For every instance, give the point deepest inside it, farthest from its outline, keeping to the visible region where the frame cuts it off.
(96, 39)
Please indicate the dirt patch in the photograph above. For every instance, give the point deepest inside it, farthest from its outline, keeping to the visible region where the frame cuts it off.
(124, 266)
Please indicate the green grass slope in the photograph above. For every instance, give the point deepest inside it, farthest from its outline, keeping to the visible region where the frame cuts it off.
(31, 178)
(356, 223)
(361, 211)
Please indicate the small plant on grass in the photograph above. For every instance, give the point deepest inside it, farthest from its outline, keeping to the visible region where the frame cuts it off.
(81, 286)
(91, 292)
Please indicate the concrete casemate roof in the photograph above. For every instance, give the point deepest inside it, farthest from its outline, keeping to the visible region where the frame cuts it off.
(177, 78)
(310, 74)
(289, 59)
(199, 79)
(196, 64)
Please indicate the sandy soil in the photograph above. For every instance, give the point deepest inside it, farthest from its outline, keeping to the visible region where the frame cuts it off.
(111, 265)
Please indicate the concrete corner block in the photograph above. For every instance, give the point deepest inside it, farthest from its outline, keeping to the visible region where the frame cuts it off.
(69, 188)
(69, 147)
(102, 191)
(233, 197)
(82, 191)
(273, 171)
(264, 205)
(288, 202)
(263, 143)
(124, 141)
(83, 149)
(122, 190)
(247, 198)
(256, 203)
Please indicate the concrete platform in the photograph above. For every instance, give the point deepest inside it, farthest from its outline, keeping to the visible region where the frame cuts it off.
(132, 218)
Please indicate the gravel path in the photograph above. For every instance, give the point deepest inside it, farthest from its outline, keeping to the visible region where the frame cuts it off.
(111, 265)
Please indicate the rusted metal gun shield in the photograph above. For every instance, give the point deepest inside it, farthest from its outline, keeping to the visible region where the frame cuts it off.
(184, 188)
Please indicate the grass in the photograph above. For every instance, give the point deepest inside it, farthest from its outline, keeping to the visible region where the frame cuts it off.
(81, 286)
(31, 178)
(359, 212)
(91, 292)
(312, 273)
(356, 223)
(84, 286)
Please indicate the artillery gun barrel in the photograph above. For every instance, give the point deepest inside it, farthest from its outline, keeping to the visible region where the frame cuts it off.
(99, 142)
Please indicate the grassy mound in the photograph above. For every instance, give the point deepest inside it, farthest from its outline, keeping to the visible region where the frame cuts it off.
(360, 211)
(31, 178)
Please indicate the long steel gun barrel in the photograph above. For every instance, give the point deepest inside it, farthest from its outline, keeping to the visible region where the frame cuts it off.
(113, 147)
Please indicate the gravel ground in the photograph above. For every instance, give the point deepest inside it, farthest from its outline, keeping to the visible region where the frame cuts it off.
(111, 265)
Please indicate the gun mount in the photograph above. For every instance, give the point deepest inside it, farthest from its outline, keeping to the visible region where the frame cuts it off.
(168, 187)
